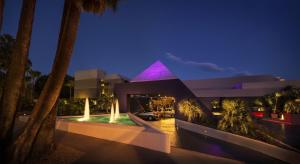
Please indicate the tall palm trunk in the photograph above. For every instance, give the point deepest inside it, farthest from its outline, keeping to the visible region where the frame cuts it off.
(20, 149)
(16, 71)
(44, 142)
(1, 13)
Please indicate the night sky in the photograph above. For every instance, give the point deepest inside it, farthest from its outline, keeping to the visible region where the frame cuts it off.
(196, 39)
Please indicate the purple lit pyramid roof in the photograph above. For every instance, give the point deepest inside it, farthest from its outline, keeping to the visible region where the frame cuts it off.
(156, 71)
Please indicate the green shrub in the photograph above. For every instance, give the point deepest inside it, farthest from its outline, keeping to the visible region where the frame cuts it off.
(191, 110)
(236, 118)
(291, 107)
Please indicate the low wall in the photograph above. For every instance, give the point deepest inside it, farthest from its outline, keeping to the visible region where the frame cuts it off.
(259, 146)
(134, 135)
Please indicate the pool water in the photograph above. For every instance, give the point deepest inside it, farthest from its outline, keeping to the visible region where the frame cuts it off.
(123, 119)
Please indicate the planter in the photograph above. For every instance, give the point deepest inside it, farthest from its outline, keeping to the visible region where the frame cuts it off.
(292, 118)
(274, 115)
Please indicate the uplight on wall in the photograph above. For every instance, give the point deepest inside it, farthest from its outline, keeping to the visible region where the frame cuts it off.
(282, 117)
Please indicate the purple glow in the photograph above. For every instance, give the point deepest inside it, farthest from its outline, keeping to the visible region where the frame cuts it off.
(156, 71)
(237, 86)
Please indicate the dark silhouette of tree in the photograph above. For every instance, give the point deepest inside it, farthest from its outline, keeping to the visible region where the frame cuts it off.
(21, 147)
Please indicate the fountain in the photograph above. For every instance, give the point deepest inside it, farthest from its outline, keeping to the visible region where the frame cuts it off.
(86, 115)
(112, 114)
(117, 114)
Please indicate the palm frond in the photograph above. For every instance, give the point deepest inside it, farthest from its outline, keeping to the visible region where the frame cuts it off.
(96, 6)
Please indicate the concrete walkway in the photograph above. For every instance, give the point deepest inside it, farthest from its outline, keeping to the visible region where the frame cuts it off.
(74, 148)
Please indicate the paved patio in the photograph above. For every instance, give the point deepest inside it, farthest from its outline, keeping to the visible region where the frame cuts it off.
(74, 148)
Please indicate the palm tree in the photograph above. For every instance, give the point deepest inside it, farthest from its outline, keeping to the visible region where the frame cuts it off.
(291, 107)
(16, 70)
(71, 15)
(7, 43)
(6, 46)
(190, 109)
(70, 85)
(235, 117)
(277, 95)
(1, 13)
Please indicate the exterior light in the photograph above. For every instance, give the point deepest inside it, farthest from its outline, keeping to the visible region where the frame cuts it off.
(282, 117)
(216, 113)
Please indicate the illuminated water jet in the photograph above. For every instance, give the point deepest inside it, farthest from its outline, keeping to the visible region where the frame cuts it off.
(86, 115)
(112, 113)
(117, 114)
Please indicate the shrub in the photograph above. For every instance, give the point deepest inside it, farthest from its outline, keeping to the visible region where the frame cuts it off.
(191, 110)
(236, 118)
(291, 107)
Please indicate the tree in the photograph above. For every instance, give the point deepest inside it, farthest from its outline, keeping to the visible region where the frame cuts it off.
(291, 107)
(34, 76)
(6, 46)
(236, 118)
(16, 71)
(277, 95)
(68, 85)
(7, 43)
(191, 110)
(1, 13)
(65, 91)
(21, 147)
(104, 102)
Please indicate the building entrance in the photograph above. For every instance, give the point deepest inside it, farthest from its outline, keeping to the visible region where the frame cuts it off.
(162, 106)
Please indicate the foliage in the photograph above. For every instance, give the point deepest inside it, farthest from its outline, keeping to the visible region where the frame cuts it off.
(272, 100)
(6, 46)
(191, 110)
(236, 118)
(65, 91)
(26, 96)
(7, 43)
(215, 104)
(277, 100)
(161, 103)
(75, 106)
(259, 103)
(104, 103)
(291, 107)
(70, 107)
(22, 144)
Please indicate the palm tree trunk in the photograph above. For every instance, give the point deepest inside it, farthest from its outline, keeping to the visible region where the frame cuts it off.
(1, 13)
(20, 149)
(44, 143)
(16, 70)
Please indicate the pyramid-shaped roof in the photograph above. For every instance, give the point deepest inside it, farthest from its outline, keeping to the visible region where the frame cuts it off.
(156, 71)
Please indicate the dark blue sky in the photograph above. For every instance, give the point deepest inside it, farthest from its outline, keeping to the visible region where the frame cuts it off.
(196, 39)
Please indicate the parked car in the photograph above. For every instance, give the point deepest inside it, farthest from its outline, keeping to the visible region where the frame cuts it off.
(148, 115)
(168, 113)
